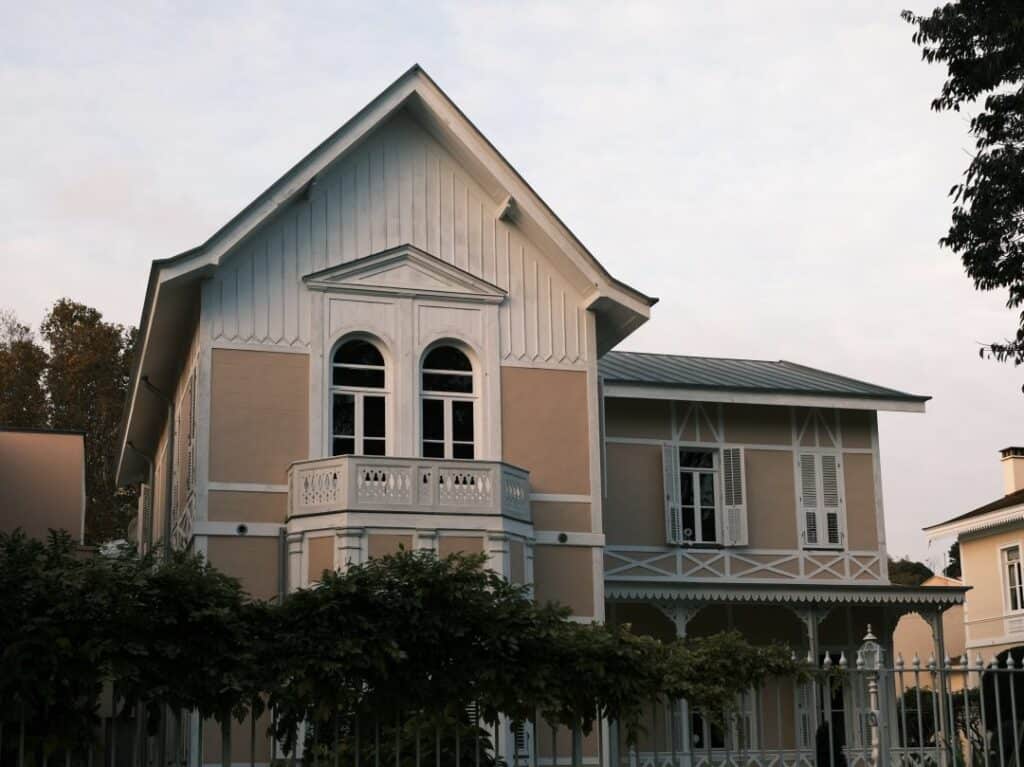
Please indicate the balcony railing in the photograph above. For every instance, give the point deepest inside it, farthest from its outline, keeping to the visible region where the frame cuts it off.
(376, 483)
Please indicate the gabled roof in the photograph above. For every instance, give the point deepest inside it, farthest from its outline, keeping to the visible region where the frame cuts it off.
(172, 294)
(781, 382)
(1009, 508)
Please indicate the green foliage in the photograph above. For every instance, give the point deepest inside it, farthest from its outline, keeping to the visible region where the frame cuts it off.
(953, 568)
(906, 572)
(401, 644)
(981, 42)
(23, 402)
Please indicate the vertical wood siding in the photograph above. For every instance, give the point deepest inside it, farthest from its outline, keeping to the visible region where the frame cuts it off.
(399, 187)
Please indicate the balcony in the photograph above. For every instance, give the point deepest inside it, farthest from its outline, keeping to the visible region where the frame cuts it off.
(356, 483)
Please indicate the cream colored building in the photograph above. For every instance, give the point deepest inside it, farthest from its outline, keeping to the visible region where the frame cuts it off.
(42, 482)
(400, 344)
(991, 540)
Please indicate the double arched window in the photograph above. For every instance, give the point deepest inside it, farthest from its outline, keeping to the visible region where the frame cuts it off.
(448, 401)
(358, 399)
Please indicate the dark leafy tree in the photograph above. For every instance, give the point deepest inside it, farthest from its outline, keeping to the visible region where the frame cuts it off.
(22, 365)
(981, 42)
(953, 569)
(87, 380)
(907, 572)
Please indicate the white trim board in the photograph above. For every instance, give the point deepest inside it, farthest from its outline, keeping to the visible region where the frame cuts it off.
(682, 393)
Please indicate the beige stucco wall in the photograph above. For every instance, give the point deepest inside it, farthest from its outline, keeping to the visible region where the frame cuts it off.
(259, 415)
(382, 544)
(459, 544)
(861, 514)
(561, 515)
(544, 427)
(564, 574)
(252, 560)
(634, 509)
(320, 556)
(42, 482)
(517, 562)
(238, 506)
(771, 500)
(637, 418)
(757, 424)
(982, 564)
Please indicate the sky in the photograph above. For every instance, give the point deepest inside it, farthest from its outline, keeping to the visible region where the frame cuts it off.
(771, 171)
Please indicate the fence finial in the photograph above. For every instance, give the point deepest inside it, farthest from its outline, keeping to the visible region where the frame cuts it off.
(916, 663)
(843, 663)
(1009, 660)
(899, 661)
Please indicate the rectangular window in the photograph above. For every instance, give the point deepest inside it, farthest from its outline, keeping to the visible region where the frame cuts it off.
(705, 501)
(821, 499)
(1014, 578)
(698, 480)
(448, 430)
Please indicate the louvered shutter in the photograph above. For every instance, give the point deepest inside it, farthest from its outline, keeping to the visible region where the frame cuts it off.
(831, 500)
(670, 484)
(809, 496)
(734, 499)
(145, 512)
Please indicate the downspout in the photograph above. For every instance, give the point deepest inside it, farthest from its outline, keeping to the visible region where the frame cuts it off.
(169, 479)
(150, 477)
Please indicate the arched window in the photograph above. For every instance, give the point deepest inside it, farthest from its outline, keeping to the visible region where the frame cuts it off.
(358, 399)
(448, 400)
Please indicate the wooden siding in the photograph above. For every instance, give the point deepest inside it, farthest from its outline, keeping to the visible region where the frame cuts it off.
(399, 187)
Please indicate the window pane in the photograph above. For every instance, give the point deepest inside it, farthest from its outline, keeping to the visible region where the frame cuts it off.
(433, 419)
(686, 488)
(433, 449)
(366, 378)
(373, 447)
(446, 358)
(344, 416)
(455, 382)
(696, 459)
(462, 421)
(689, 533)
(463, 450)
(1012, 555)
(707, 490)
(373, 417)
(344, 446)
(707, 525)
(359, 352)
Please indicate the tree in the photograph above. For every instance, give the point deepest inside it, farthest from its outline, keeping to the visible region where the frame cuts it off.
(981, 42)
(906, 572)
(953, 569)
(23, 362)
(87, 380)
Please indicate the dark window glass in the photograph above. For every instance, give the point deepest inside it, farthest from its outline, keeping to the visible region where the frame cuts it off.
(463, 450)
(686, 486)
(344, 417)
(362, 377)
(447, 358)
(373, 417)
(696, 459)
(433, 449)
(707, 524)
(447, 382)
(433, 419)
(462, 421)
(359, 352)
(344, 445)
(688, 525)
(373, 446)
(707, 491)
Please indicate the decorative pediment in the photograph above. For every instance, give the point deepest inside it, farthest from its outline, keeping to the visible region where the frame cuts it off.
(407, 271)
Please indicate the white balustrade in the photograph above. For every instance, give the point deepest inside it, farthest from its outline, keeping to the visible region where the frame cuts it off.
(371, 483)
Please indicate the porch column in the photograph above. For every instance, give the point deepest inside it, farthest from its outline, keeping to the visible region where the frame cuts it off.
(934, 619)
(294, 548)
(349, 541)
(680, 615)
(497, 553)
(812, 616)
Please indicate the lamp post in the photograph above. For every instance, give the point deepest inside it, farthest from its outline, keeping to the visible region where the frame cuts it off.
(869, 659)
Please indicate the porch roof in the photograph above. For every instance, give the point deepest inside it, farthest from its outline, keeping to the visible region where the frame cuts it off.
(805, 593)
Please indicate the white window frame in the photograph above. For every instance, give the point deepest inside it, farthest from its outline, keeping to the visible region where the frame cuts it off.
(358, 393)
(1004, 568)
(716, 473)
(447, 398)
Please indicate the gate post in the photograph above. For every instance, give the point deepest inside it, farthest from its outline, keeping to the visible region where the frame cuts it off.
(869, 660)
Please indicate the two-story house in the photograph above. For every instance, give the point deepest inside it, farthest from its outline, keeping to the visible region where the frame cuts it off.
(991, 539)
(399, 344)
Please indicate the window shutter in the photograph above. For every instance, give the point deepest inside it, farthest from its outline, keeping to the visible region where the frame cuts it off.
(830, 498)
(145, 512)
(670, 480)
(809, 496)
(734, 500)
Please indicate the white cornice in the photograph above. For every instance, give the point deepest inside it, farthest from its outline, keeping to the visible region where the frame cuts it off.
(977, 524)
(930, 595)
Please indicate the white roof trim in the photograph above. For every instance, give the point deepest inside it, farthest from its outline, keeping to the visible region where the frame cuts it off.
(668, 392)
(924, 595)
(978, 523)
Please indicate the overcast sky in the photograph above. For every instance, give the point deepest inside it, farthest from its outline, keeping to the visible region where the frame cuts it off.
(771, 171)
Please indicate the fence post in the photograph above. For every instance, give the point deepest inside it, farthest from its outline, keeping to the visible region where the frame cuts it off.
(869, 659)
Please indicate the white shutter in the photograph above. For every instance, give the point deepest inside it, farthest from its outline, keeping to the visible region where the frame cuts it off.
(734, 499)
(145, 513)
(670, 484)
(808, 466)
(831, 500)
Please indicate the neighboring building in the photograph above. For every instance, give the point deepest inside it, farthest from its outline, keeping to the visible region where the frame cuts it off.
(400, 344)
(913, 636)
(991, 540)
(42, 482)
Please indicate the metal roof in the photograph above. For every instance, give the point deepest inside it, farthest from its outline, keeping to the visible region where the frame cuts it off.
(761, 376)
